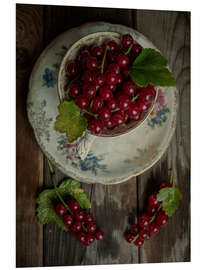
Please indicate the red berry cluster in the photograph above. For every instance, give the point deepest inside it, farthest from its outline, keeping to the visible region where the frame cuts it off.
(79, 222)
(102, 88)
(149, 222)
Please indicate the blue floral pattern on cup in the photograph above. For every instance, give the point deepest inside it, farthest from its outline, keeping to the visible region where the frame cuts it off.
(49, 77)
(159, 114)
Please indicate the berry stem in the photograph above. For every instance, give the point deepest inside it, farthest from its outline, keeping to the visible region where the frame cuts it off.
(90, 113)
(84, 228)
(172, 178)
(134, 239)
(117, 109)
(55, 187)
(129, 49)
(153, 217)
(69, 85)
(135, 97)
(104, 58)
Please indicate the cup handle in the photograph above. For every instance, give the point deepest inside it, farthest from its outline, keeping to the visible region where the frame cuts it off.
(84, 145)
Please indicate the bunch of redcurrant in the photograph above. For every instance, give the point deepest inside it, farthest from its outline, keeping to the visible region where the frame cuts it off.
(149, 222)
(79, 222)
(101, 87)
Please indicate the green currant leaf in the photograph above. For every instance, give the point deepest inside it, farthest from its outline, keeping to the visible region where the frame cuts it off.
(150, 68)
(170, 197)
(70, 121)
(48, 199)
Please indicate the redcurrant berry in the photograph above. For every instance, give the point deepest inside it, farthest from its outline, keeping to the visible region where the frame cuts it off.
(144, 220)
(112, 45)
(111, 78)
(95, 126)
(129, 88)
(91, 227)
(143, 106)
(123, 102)
(99, 235)
(81, 237)
(89, 217)
(88, 77)
(105, 93)
(114, 68)
(79, 215)
(97, 104)
(99, 79)
(112, 104)
(82, 102)
(73, 205)
(133, 111)
(60, 210)
(92, 63)
(89, 239)
(72, 69)
(68, 220)
(161, 218)
(144, 234)
(74, 90)
(118, 118)
(129, 237)
(139, 242)
(89, 90)
(127, 40)
(97, 51)
(153, 228)
(109, 124)
(104, 114)
(123, 60)
(135, 228)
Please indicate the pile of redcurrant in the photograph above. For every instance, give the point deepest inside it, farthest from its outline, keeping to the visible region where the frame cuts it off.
(101, 86)
(79, 222)
(150, 222)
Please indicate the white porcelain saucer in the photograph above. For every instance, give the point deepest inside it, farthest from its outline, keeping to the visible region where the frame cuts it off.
(110, 160)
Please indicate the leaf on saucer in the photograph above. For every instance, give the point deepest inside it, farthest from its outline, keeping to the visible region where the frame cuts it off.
(70, 121)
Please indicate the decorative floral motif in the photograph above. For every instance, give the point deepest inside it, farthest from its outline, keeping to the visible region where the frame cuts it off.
(40, 121)
(63, 51)
(158, 115)
(49, 77)
(90, 163)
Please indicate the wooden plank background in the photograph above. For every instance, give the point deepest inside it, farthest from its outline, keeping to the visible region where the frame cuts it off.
(117, 205)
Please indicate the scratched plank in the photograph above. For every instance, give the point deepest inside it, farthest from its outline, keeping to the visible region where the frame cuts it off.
(111, 205)
(29, 159)
(170, 32)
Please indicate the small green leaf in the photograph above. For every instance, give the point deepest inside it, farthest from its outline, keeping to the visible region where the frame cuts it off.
(150, 68)
(170, 197)
(70, 121)
(47, 201)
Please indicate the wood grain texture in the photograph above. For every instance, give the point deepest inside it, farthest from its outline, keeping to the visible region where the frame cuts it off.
(170, 32)
(60, 18)
(29, 159)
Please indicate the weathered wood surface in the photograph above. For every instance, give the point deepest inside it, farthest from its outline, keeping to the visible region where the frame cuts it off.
(29, 158)
(113, 206)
